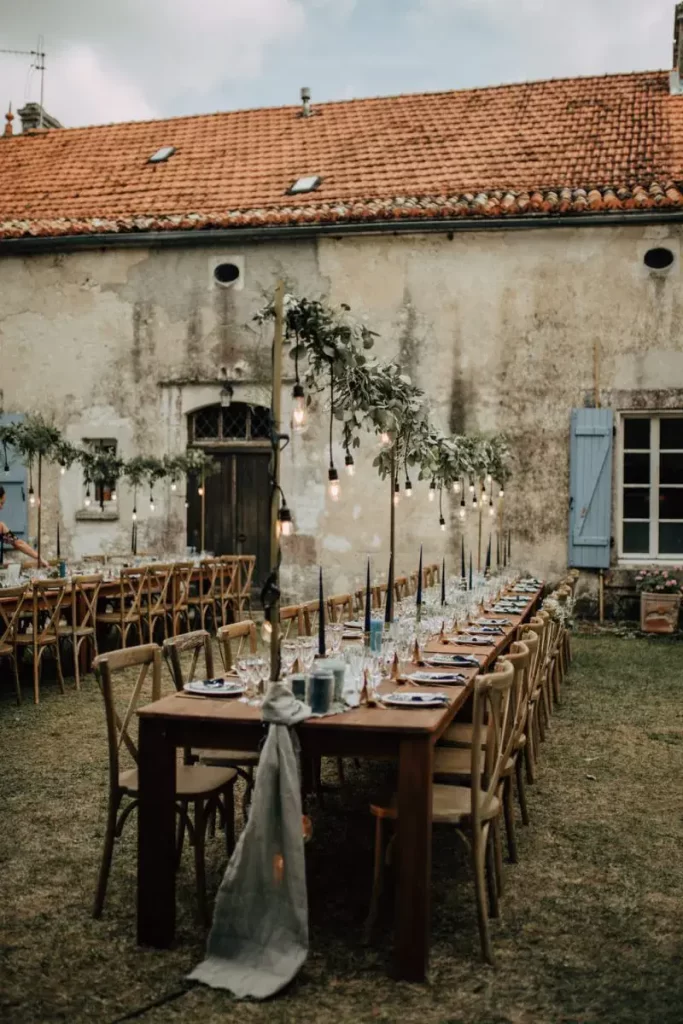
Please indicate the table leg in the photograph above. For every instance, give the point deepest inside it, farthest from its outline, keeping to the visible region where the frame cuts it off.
(156, 835)
(414, 824)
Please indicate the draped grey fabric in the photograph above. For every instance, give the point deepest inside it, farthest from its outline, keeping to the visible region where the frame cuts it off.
(259, 937)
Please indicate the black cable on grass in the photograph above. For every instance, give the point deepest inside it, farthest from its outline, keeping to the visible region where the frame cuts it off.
(153, 1005)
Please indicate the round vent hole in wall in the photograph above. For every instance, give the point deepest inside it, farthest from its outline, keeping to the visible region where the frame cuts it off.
(226, 274)
(658, 258)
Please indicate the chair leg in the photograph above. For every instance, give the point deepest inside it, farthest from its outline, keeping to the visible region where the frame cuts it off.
(494, 905)
(199, 865)
(530, 751)
(17, 683)
(107, 853)
(521, 789)
(498, 848)
(76, 645)
(60, 674)
(478, 865)
(180, 836)
(340, 771)
(377, 881)
(509, 814)
(36, 674)
(229, 818)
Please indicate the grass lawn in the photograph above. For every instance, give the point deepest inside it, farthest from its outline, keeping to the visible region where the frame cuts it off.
(592, 925)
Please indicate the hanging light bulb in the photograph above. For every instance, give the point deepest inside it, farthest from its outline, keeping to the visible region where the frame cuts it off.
(474, 501)
(501, 493)
(409, 488)
(266, 631)
(462, 511)
(187, 504)
(174, 485)
(86, 500)
(384, 439)
(492, 510)
(397, 493)
(432, 490)
(456, 487)
(489, 479)
(200, 490)
(349, 463)
(284, 520)
(62, 469)
(471, 487)
(333, 488)
(32, 497)
(483, 495)
(442, 523)
(151, 502)
(6, 468)
(299, 414)
(134, 515)
(113, 495)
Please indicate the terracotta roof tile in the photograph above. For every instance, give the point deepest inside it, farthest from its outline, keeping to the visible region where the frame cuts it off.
(583, 145)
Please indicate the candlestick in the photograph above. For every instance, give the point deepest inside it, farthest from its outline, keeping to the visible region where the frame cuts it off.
(321, 617)
(487, 568)
(463, 575)
(368, 606)
(418, 598)
(470, 586)
(443, 582)
(389, 604)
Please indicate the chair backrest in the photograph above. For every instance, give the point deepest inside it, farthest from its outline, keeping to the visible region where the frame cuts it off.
(196, 643)
(13, 602)
(339, 607)
(288, 616)
(247, 564)
(359, 600)
(105, 667)
(310, 612)
(210, 570)
(239, 631)
(48, 598)
(535, 627)
(132, 589)
(519, 656)
(159, 579)
(379, 595)
(491, 717)
(180, 584)
(401, 587)
(229, 578)
(85, 591)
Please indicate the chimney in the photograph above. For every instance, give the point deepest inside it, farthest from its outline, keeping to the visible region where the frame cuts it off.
(31, 120)
(676, 76)
(9, 117)
(306, 99)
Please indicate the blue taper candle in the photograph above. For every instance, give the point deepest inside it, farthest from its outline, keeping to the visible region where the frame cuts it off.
(418, 598)
(321, 617)
(368, 602)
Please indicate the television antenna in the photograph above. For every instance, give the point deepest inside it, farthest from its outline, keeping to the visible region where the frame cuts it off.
(38, 64)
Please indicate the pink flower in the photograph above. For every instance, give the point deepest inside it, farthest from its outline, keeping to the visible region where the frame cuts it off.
(671, 583)
(665, 573)
(658, 587)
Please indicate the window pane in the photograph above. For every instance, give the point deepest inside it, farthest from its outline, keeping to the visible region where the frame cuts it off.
(260, 422)
(235, 421)
(670, 433)
(636, 432)
(636, 502)
(671, 502)
(671, 538)
(636, 538)
(637, 468)
(206, 423)
(671, 468)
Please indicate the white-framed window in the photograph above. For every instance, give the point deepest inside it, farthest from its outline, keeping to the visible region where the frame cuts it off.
(650, 486)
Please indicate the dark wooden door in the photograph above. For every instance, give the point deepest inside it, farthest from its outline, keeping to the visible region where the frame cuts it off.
(237, 508)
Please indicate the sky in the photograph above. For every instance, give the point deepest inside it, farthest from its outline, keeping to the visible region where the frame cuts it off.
(139, 59)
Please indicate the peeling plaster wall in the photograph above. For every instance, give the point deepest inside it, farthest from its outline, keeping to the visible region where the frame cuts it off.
(498, 328)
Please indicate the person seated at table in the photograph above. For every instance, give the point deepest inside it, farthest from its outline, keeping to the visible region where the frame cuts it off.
(12, 544)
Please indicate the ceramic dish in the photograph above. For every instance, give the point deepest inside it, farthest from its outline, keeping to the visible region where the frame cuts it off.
(415, 700)
(453, 660)
(475, 640)
(445, 678)
(215, 687)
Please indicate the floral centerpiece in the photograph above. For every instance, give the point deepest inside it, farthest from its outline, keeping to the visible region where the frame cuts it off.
(660, 598)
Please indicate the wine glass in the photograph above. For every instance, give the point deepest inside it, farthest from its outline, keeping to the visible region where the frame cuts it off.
(333, 637)
(289, 652)
(307, 649)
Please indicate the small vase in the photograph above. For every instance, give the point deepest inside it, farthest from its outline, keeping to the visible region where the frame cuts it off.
(659, 612)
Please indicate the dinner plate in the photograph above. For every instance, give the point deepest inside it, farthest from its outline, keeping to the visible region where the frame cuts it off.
(352, 634)
(215, 687)
(486, 630)
(476, 641)
(454, 660)
(446, 678)
(354, 624)
(493, 622)
(415, 700)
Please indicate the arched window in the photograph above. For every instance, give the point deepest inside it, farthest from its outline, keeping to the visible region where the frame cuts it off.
(225, 423)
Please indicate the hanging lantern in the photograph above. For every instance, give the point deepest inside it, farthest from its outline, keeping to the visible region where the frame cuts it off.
(174, 485)
(442, 523)
(349, 463)
(299, 413)
(333, 488)
(284, 520)
(86, 500)
(462, 511)
(456, 487)
(62, 469)
(134, 515)
(397, 493)
(408, 488)
(151, 502)
(432, 490)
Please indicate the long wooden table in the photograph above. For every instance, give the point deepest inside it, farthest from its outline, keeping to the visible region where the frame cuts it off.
(408, 735)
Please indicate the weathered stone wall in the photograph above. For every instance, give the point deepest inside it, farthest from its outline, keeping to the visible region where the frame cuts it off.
(498, 327)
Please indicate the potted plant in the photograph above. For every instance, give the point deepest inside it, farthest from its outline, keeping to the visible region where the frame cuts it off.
(660, 599)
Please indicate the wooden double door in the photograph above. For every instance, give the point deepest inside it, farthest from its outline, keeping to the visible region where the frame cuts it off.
(237, 507)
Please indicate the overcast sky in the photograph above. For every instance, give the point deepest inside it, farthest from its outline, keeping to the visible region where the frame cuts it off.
(134, 59)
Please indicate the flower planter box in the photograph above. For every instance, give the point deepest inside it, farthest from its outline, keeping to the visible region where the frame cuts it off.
(659, 612)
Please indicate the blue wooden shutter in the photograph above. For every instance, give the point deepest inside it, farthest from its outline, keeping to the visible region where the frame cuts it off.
(590, 488)
(15, 511)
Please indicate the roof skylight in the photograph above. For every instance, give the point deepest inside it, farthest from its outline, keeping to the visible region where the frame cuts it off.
(161, 154)
(309, 184)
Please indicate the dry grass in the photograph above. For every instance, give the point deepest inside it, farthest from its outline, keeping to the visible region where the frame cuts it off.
(592, 922)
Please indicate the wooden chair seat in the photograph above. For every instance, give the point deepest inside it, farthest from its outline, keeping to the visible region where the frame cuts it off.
(451, 805)
(115, 617)
(232, 758)
(193, 781)
(48, 636)
(5, 649)
(458, 734)
(82, 631)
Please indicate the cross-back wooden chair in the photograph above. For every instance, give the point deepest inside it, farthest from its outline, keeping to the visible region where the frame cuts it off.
(198, 645)
(401, 587)
(340, 608)
(126, 612)
(228, 588)
(472, 809)
(247, 564)
(539, 697)
(291, 616)
(205, 597)
(310, 611)
(236, 632)
(412, 583)
(379, 596)
(85, 592)
(11, 605)
(181, 585)
(435, 570)
(195, 784)
(45, 600)
(359, 600)
(158, 605)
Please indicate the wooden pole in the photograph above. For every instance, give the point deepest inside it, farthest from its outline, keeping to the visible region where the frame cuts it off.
(40, 505)
(202, 525)
(276, 405)
(596, 372)
(392, 515)
(479, 538)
